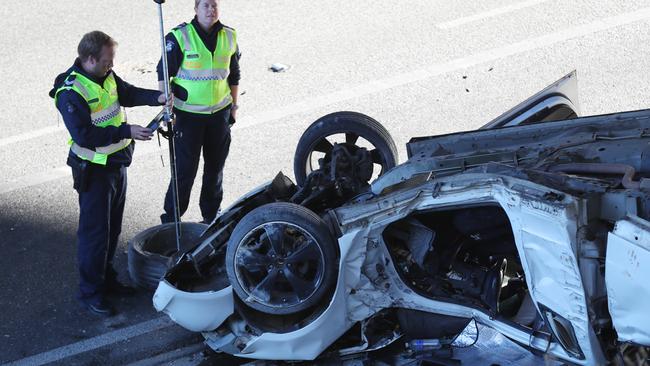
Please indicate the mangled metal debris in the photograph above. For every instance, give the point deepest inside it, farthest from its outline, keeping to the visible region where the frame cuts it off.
(508, 227)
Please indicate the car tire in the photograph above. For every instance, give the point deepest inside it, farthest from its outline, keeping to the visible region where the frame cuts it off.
(343, 122)
(301, 273)
(150, 251)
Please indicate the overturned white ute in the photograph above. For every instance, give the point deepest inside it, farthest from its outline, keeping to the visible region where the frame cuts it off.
(535, 226)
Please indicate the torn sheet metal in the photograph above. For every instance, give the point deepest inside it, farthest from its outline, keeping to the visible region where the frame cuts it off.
(627, 276)
(548, 238)
(492, 348)
(553, 242)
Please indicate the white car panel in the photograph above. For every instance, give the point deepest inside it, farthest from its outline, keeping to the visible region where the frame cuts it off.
(194, 311)
(627, 277)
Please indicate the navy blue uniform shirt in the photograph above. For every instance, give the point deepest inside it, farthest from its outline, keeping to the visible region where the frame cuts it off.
(76, 115)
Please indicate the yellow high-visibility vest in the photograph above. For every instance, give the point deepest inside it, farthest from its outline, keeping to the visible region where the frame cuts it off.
(202, 73)
(105, 110)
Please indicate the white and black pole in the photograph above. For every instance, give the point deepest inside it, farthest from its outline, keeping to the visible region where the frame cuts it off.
(169, 118)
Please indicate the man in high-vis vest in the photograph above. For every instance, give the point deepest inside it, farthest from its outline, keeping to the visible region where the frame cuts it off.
(90, 98)
(203, 63)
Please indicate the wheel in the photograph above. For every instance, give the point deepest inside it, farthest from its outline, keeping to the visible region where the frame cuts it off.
(281, 259)
(317, 141)
(150, 250)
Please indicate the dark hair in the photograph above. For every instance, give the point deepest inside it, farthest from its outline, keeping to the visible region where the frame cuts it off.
(91, 44)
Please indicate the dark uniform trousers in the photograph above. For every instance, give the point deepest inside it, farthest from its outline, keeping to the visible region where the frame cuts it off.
(212, 133)
(101, 206)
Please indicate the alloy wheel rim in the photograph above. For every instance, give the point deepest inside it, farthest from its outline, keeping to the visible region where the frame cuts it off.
(279, 264)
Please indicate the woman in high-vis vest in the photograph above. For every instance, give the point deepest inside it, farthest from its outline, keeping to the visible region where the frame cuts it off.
(90, 98)
(203, 63)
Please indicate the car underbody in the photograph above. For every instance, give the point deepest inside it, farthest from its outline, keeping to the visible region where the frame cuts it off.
(534, 226)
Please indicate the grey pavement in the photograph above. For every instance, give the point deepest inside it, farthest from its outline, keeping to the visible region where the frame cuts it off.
(420, 67)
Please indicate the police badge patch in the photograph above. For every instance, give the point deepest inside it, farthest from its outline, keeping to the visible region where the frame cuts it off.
(169, 46)
(70, 107)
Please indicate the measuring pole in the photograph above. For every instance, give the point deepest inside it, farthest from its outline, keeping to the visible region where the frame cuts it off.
(169, 118)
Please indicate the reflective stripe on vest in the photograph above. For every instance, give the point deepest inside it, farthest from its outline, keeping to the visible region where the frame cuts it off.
(187, 44)
(204, 109)
(204, 74)
(107, 114)
(100, 154)
(105, 110)
(84, 92)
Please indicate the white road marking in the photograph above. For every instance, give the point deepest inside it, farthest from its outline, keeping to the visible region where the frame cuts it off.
(189, 355)
(377, 86)
(90, 344)
(489, 14)
(65, 171)
(35, 179)
(381, 85)
(30, 135)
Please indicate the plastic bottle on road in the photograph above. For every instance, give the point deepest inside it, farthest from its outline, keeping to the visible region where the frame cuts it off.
(421, 345)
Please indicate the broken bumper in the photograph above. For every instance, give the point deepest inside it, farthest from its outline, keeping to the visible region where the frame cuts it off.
(194, 311)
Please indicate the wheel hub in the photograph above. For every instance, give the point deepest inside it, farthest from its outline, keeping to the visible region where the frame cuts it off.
(279, 264)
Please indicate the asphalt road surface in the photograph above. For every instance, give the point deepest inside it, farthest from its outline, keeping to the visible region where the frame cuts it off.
(420, 67)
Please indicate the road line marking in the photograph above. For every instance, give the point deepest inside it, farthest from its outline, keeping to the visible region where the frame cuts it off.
(377, 86)
(90, 344)
(489, 14)
(35, 179)
(381, 85)
(65, 171)
(30, 135)
(171, 357)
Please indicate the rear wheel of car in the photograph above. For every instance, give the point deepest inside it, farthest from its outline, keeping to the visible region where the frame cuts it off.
(353, 129)
(281, 259)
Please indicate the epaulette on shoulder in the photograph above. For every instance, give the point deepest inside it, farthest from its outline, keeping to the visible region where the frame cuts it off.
(229, 27)
(70, 79)
(182, 25)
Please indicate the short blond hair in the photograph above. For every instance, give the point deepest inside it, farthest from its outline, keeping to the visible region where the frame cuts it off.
(196, 3)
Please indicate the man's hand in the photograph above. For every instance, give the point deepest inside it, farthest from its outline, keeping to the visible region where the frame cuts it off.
(233, 113)
(162, 100)
(141, 133)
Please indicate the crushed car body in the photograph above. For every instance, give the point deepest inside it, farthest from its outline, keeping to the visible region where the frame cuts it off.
(535, 225)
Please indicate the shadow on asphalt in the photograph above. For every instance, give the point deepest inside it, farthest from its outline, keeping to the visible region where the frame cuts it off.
(38, 280)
